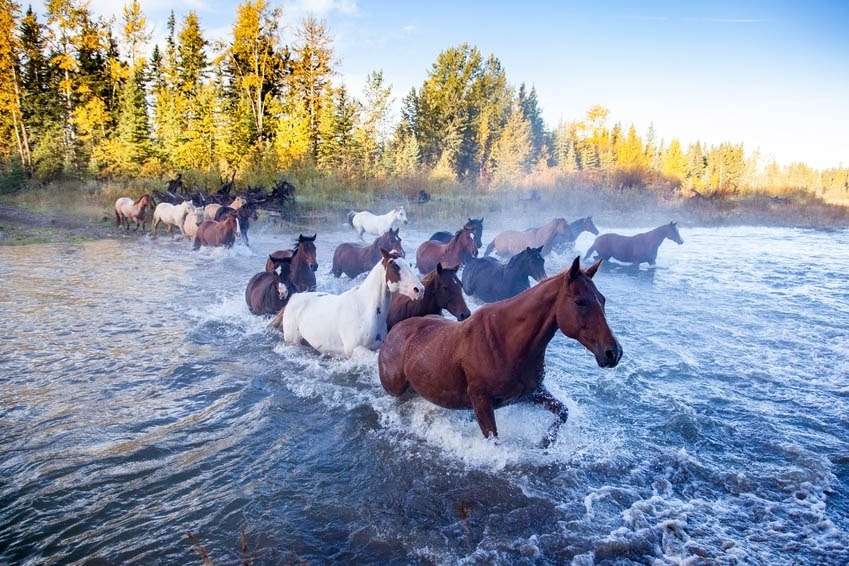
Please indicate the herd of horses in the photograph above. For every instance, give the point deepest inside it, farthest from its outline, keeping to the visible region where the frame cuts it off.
(481, 361)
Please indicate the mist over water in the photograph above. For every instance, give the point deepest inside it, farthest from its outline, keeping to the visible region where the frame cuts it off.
(141, 400)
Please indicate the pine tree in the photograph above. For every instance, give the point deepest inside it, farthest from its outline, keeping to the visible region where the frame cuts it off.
(674, 164)
(10, 84)
(311, 70)
(512, 151)
(192, 55)
(371, 135)
(532, 113)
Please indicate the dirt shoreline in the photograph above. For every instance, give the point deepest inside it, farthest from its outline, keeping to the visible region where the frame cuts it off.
(19, 226)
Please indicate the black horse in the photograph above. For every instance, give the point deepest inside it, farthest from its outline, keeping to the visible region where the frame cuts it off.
(490, 280)
(473, 223)
(245, 215)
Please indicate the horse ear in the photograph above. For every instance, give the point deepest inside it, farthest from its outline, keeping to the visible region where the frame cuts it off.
(527, 249)
(592, 269)
(539, 249)
(439, 268)
(313, 237)
(575, 270)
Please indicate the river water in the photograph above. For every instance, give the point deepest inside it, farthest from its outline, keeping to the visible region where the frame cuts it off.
(140, 401)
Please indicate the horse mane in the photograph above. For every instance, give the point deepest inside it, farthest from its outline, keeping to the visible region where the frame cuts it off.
(138, 200)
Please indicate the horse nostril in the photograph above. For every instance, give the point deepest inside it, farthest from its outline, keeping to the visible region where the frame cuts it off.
(415, 289)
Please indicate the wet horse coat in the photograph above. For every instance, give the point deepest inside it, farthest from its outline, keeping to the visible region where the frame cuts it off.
(216, 234)
(634, 249)
(457, 251)
(490, 280)
(365, 221)
(268, 291)
(442, 290)
(473, 223)
(510, 242)
(353, 259)
(304, 262)
(497, 356)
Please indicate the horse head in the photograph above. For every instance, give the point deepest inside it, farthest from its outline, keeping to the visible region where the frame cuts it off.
(580, 314)
(308, 251)
(672, 233)
(589, 226)
(466, 240)
(233, 219)
(282, 279)
(399, 277)
(476, 225)
(401, 215)
(449, 290)
(532, 261)
(392, 242)
(238, 202)
(561, 227)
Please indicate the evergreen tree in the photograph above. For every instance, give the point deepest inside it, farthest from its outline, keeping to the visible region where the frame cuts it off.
(311, 71)
(192, 55)
(674, 163)
(532, 113)
(512, 152)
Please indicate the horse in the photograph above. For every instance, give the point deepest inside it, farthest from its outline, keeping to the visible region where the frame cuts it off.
(210, 210)
(194, 216)
(457, 251)
(127, 209)
(245, 213)
(492, 281)
(474, 223)
(365, 221)
(497, 355)
(304, 262)
(353, 259)
(442, 290)
(355, 320)
(567, 242)
(510, 242)
(171, 215)
(634, 249)
(215, 234)
(268, 291)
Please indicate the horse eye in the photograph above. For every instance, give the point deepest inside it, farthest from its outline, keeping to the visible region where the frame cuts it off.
(580, 303)
(396, 267)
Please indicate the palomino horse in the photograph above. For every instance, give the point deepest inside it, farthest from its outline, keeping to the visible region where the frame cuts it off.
(353, 259)
(356, 319)
(497, 355)
(171, 215)
(473, 223)
(268, 291)
(210, 210)
(126, 209)
(442, 290)
(304, 262)
(492, 281)
(246, 214)
(365, 221)
(567, 243)
(634, 249)
(194, 216)
(510, 242)
(457, 251)
(215, 234)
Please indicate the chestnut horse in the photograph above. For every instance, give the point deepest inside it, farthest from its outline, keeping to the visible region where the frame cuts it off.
(304, 262)
(567, 243)
(442, 290)
(245, 213)
(474, 223)
(126, 209)
(510, 242)
(353, 259)
(268, 291)
(457, 251)
(492, 281)
(215, 234)
(634, 249)
(497, 355)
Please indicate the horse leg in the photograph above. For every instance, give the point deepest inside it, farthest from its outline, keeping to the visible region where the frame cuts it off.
(170, 232)
(541, 396)
(484, 413)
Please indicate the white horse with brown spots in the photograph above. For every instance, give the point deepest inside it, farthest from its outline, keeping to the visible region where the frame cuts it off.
(346, 324)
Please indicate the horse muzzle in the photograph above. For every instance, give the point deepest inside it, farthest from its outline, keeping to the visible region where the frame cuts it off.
(463, 315)
(313, 267)
(610, 356)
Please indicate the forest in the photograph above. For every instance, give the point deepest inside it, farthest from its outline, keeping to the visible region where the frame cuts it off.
(84, 98)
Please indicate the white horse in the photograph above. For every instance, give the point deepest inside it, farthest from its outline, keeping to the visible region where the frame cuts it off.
(355, 320)
(194, 216)
(365, 221)
(171, 215)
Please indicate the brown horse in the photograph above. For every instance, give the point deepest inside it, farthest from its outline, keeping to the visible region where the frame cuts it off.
(268, 291)
(457, 251)
(304, 262)
(634, 249)
(442, 290)
(567, 242)
(492, 281)
(497, 356)
(473, 223)
(215, 234)
(510, 242)
(126, 209)
(353, 259)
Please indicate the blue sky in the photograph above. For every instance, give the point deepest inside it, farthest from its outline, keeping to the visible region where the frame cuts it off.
(772, 75)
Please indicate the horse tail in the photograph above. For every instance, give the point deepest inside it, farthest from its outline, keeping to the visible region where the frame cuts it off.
(590, 252)
(489, 248)
(117, 219)
(351, 215)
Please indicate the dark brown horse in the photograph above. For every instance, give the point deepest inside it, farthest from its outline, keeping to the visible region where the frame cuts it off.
(442, 290)
(490, 280)
(567, 242)
(353, 259)
(457, 251)
(268, 291)
(510, 242)
(304, 262)
(473, 223)
(215, 234)
(497, 355)
(634, 249)
(245, 213)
